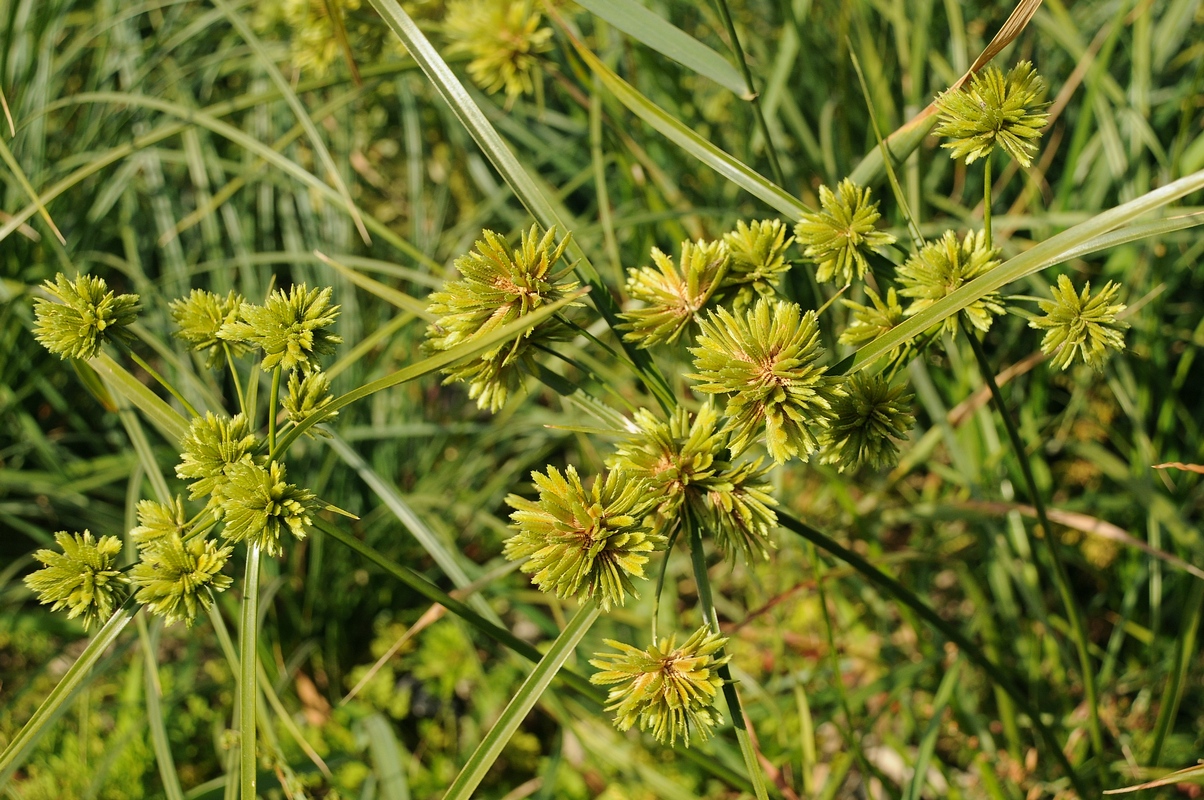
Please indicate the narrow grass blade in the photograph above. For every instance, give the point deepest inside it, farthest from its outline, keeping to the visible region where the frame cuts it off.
(1185, 651)
(386, 293)
(904, 595)
(161, 415)
(521, 704)
(23, 743)
(429, 365)
(437, 550)
(294, 103)
(154, 715)
(944, 694)
(1052, 251)
(680, 134)
(1190, 775)
(27, 187)
(653, 30)
(386, 757)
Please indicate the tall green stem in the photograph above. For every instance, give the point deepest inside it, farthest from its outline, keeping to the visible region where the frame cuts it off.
(753, 96)
(272, 406)
(1074, 615)
(248, 635)
(986, 199)
(711, 619)
(140, 361)
(242, 398)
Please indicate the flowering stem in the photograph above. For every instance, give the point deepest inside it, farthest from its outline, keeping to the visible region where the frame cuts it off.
(247, 687)
(1075, 616)
(751, 88)
(986, 198)
(272, 410)
(161, 381)
(242, 401)
(660, 583)
(711, 619)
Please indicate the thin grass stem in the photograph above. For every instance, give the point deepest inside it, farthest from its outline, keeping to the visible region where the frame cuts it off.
(140, 361)
(242, 399)
(1075, 615)
(986, 199)
(272, 406)
(247, 686)
(706, 603)
(753, 96)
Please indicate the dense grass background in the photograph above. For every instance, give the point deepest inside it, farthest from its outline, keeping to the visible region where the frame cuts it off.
(169, 160)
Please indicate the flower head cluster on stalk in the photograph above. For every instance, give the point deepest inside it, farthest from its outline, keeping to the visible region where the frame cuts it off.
(499, 285)
(244, 490)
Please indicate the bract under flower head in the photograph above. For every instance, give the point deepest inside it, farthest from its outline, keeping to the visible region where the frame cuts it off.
(838, 237)
(581, 543)
(290, 328)
(946, 265)
(670, 691)
(1081, 324)
(259, 505)
(212, 446)
(499, 285)
(83, 578)
(504, 39)
(673, 298)
(174, 576)
(201, 317)
(865, 423)
(994, 110)
(88, 316)
(767, 362)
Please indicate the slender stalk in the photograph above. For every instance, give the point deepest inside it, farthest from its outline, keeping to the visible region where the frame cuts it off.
(272, 406)
(242, 400)
(986, 199)
(660, 584)
(1074, 614)
(161, 381)
(520, 705)
(753, 96)
(907, 597)
(247, 646)
(710, 618)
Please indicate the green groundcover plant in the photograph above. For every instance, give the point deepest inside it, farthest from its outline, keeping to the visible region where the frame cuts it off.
(701, 386)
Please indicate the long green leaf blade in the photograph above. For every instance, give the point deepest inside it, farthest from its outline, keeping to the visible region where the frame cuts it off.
(648, 27)
(521, 704)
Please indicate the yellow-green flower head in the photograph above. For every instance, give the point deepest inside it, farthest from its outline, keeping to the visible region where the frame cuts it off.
(504, 39)
(758, 259)
(870, 322)
(838, 237)
(584, 543)
(173, 576)
(88, 316)
(994, 110)
(83, 578)
(212, 446)
(866, 422)
(944, 266)
(683, 463)
(259, 505)
(498, 285)
(670, 691)
(290, 328)
(1081, 324)
(158, 521)
(201, 316)
(673, 298)
(315, 43)
(306, 396)
(767, 362)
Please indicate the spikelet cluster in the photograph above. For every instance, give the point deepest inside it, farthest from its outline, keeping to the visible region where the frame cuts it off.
(944, 266)
(504, 39)
(995, 110)
(1081, 324)
(82, 577)
(838, 237)
(87, 315)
